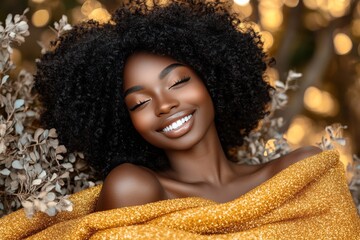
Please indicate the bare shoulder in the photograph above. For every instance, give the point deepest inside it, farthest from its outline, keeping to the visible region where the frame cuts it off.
(297, 155)
(128, 185)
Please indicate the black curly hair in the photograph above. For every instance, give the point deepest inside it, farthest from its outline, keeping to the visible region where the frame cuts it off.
(80, 81)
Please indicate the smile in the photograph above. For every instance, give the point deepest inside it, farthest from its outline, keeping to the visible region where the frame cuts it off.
(177, 124)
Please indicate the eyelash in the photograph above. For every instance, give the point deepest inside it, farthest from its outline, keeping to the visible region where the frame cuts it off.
(138, 105)
(180, 81)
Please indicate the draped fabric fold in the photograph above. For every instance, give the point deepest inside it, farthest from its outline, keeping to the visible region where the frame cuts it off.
(308, 200)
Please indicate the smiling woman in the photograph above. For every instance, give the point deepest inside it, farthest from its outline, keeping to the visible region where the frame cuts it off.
(156, 97)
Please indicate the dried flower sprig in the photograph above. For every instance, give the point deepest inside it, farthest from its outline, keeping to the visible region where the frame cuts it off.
(334, 135)
(268, 142)
(59, 29)
(35, 171)
(15, 31)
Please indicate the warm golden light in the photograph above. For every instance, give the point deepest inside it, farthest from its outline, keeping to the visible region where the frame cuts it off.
(320, 102)
(245, 11)
(40, 18)
(89, 6)
(272, 75)
(100, 14)
(338, 8)
(310, 4)
(38, 1)
(297, 130)
(291, 3)
(271, 19)
(270, 4)
(268, 39)
(242, 2)
(342, 43)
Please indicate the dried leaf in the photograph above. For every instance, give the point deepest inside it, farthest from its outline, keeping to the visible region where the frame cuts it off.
(42, 174)
(67, 165)
(19, 128)
(37, 133)
(52, 133)
(51, 211)
(65, 175)
(50, 196)
(5, 172)
(2, 146)
(4, 79)
(19, 103)
(36, 182)
(17, 164)
(60, 149)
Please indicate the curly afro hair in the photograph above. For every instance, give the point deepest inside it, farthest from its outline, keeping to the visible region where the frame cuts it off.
(80, 81)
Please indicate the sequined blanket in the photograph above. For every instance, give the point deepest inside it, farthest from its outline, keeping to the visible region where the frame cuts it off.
(308, 200)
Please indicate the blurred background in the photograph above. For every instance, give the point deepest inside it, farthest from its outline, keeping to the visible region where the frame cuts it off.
(318, 38)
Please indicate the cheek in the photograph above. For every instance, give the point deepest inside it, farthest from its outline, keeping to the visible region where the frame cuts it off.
(201, 96)
(141, 122)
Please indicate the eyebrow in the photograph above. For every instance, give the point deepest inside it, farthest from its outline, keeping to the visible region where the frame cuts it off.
(169, 68)
(162, 74)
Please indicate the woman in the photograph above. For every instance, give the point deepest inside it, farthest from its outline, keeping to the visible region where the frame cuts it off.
(157, 97)
(202, 56)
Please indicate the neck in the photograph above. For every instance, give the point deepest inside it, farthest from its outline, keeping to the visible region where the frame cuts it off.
(203, 162)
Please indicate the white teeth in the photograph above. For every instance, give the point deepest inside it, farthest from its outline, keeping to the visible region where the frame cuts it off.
(177, 124)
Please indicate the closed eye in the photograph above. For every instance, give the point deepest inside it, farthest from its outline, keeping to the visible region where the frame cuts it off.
(139, 104)
(180, 81)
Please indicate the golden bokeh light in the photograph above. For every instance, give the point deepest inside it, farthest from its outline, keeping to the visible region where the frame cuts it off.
(244, 11)
(310, 4)
(242, 2)
(270, 4)
(271, 19)
(342, 43)
(40, 18)
(320, 102)
(338, 8)
(89, 6)
(272, 75)
(291, 3)
(268, 39)
(100, 14)
(298, 129)
(38, 1)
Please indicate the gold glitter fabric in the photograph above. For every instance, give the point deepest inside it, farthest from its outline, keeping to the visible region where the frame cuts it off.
(308, 200)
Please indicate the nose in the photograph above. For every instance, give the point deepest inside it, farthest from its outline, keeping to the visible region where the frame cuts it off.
(165, 103)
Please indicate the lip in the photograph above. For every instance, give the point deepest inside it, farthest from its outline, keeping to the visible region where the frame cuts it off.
(183, 129)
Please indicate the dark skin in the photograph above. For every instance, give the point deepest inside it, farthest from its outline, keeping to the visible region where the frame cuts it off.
(158, 92)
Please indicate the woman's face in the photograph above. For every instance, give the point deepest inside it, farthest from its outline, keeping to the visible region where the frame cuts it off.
(168, 103)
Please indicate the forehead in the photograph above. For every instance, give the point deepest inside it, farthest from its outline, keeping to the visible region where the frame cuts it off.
(141, 66)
